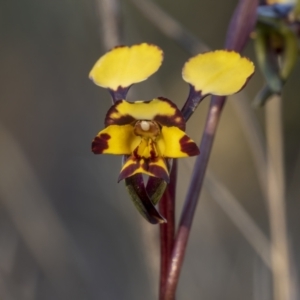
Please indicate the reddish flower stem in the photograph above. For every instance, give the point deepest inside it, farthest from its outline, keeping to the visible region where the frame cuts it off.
(167, 230)
(192, 196)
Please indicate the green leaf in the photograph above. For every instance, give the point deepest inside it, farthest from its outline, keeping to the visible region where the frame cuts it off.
(155, 189)
(290, 53)
(267, 60)
(140, 198)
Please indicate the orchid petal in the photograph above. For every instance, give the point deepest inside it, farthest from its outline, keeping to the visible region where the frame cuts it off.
(140, 198)
(124, 66)
(116, 139)
(175, 143)
(152, 167)
(160, 110)
(219, 72)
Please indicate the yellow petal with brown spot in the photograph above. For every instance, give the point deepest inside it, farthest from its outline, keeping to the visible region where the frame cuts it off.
(219, 72)
(116, 139)
(173, 143)
(124, 66)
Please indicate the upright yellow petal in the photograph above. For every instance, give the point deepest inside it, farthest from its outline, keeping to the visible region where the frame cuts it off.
(116, 139)
(160, 110)
(175, 143)
(124, 66)
(219, 72)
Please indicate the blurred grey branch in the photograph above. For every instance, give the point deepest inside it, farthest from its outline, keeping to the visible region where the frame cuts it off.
(170, 26)
(239, 217)
(283, 289)
(38, 224)
(254, 135)
(109, 14)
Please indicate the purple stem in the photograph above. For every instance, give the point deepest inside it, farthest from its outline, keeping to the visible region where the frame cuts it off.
(119, 94)
(241, 25)
(167, 230)
(193, 195)
(191, 103)
(239, 29)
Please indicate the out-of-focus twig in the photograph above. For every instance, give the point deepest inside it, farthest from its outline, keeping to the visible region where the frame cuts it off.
(293, 186)
(37, 223)
(170, 26)
(254, 136)
(239, 217)
(109, 13)
(282, 283)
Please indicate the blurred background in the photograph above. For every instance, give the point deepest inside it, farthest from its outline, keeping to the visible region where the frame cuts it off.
(67, 229)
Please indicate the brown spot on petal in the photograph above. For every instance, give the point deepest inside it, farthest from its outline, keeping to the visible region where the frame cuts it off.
(170, 121)
(122, 120)
(188, 146)
(100, 143)
(144, 163)
(153, 151)
(174, 120)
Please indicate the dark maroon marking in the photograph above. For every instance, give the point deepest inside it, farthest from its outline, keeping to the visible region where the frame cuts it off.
(246, 82)
(152, 151)
(145, 164)
(100, 143)
(189, 147)
(129, 170)
(159, 172)
(119, 46)
(135, 153)
(152, 154)
(171, 121)
(126, 119)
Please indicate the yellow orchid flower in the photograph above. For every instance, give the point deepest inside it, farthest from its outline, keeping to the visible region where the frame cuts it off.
(147, 131)
(150, 133)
